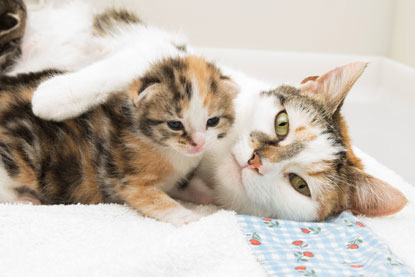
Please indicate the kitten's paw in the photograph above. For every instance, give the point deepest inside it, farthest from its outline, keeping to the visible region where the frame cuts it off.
(59, 99)
(182, 217)
(196, 192)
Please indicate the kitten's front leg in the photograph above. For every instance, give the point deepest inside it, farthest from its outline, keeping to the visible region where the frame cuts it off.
(153, 202)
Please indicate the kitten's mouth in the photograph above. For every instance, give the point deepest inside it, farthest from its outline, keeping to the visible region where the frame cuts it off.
(195, 152)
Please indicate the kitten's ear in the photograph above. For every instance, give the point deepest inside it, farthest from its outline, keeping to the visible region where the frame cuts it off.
(372, 196)
(228, 85)
(331, 88)
(140, 90)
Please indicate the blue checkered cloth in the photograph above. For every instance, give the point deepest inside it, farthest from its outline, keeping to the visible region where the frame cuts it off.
(342, 246)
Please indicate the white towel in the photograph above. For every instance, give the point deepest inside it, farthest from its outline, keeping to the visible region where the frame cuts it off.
(112, 240)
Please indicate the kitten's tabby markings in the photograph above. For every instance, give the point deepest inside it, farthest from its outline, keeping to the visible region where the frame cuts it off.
(193, 99)
(123, 151)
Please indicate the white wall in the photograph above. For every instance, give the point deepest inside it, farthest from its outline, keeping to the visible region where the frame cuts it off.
(347, 26)
(368, 27)
(403, 34)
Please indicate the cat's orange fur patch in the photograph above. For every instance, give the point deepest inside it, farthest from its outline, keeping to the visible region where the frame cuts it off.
(303, 134)
(347, 142)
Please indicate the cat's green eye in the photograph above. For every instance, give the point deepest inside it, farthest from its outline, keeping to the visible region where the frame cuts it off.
(282, 124)
(299, 184)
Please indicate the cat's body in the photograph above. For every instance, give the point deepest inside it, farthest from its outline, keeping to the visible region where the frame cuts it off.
(122, 151)
(239, 175)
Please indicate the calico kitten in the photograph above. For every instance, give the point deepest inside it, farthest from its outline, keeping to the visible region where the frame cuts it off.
(293, 158)
(127, 150)
(12, 27)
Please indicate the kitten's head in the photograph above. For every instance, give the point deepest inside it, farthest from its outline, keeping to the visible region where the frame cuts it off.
(295, 160)
(185, 103)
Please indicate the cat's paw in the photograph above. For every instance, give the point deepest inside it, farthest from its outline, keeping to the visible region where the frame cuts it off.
(59, 98)
(182, 217)
(196, 192)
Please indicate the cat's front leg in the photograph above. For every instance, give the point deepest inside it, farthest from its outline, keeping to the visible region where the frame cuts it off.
(196, 191)
(71, 94)
(153, 202)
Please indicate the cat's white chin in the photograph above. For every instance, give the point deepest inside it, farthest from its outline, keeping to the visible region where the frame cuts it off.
(235, 170)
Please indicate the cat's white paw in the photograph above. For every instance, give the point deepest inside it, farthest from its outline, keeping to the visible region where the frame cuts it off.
(196, 192)
(181, 217)
(59, 99)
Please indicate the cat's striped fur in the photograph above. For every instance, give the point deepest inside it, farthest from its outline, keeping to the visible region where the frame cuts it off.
(122, 151)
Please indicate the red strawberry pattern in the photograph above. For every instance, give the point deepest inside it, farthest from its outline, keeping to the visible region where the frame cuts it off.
(360, 224)
(255, 239)
(297, 242)
(308, 254)
(304, 230)
(354, 244)
(311, 230)
(271, 224)
(291, 248)
(303, 256)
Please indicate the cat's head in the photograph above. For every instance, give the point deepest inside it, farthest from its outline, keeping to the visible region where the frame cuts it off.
(295, 159)
(185, 103)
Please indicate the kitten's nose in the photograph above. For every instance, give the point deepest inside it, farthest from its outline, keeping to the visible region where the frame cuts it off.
(255, 160)
(198, 140)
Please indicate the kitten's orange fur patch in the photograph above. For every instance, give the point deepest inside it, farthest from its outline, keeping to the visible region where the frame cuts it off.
(199, 70)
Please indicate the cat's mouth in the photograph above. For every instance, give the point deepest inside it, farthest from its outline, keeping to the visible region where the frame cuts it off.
(240, 168)
(245, 166)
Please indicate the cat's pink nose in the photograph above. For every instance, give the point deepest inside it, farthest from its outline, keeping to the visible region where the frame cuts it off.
(255, 161)
(198, 141)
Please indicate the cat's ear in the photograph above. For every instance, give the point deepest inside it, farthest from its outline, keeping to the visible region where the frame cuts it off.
(140, 89)
(372, 196)
(331, 88)
(8, 23)
(228, 85)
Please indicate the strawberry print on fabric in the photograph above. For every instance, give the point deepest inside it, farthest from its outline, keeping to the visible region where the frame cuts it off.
(341, 246)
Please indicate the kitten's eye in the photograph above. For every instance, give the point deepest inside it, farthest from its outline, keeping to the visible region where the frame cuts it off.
(212, 122)
(175, 125)
(282, 124)
(299, 184)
